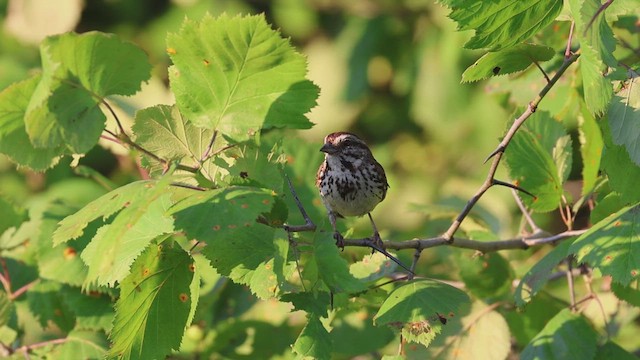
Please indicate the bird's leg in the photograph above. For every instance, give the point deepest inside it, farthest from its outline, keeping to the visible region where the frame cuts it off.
(376, 235)
(336, 234)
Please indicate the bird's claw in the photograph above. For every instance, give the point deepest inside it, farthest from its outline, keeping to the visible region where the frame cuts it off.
(339, 240)
(377, 241)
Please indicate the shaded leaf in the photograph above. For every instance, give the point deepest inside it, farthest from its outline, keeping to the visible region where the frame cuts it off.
(507, 61)
(501, 24)
(611, 350)
(536, 278)
(326, 256)
(46, 303)
(154, 304)
(236, 244)
(237, 75)
(314, 341)
(84, 344)
(485, 276)
(629, 293)
(613, 245)
(92, 311)
(566, 336)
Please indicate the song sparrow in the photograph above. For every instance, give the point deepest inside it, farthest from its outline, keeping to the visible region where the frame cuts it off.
(351, 183)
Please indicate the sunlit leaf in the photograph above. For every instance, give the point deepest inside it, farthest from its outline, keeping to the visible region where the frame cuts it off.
(419, 307)
(154, 305)
(14, 141)
(566, 336)
(78, 71)
(326, 256)
(613, 245)
(502, 23)
(237, 75)
(624, 119)
(84, 344)
(591, 146)
(507, 61)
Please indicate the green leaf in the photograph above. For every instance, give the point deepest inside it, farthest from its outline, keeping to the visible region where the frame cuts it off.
(372, 267)
(501, 24)
(507, 61)
(78, 72)
(46, 303)
(626, 293)
(566, 336)
(163, 131)
(613, 245)
(314, 341)
(14, 141)
(611, 350)
(93, 311)
(532, 165)
(114, 247)
(524, 325)
(105, 206)
(313, 303)
(6, 308)
(624, 119)
(83, 344)
(154, 304)
(418, 308)
(327, 256)
(591, 146)
(538, 275)
(354, 334)
(597, 44)
(621, 171)
(236, 245)
(485, 276)
(483, 334)
(237, 75)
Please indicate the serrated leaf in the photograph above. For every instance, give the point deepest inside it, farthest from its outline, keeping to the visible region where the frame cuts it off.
(524, 325)
(624, 119)
(314, 341)
(236, 245)
(566, 336)
(629, 293)
(621, 171)
(73, 226)
(237, 75)
(163, 131)
(417, 308)
(6, 308)
(538, 275)
(154, 304)
(83, 344)
(485, 276)
(591, 146)
(502, 23)
(613, 245)
(313, 303)
(507, 61)
(531, 165)
(78, 71)
(597, 44)
(14, 141)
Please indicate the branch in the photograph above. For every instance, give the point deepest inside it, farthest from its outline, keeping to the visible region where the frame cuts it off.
(499, 151)
(522, 243)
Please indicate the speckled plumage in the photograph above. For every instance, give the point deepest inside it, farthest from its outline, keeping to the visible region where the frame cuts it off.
(350, 180)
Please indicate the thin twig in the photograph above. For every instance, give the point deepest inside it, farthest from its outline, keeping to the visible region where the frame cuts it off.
(209, 147)
(602, 8)
(544, 73)
(16, 294)
(511, 186)
(522, 243)
(567, 51)
(497, 154)
(572, 290)
(309, 225)
(532, 224)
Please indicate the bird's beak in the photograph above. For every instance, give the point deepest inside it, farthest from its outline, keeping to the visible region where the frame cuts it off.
(329, 149)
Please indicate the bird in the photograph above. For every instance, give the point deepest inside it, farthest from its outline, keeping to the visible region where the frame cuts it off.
(351, 182)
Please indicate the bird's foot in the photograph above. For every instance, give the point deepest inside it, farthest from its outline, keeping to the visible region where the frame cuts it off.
(377, 241)
(339, 240)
